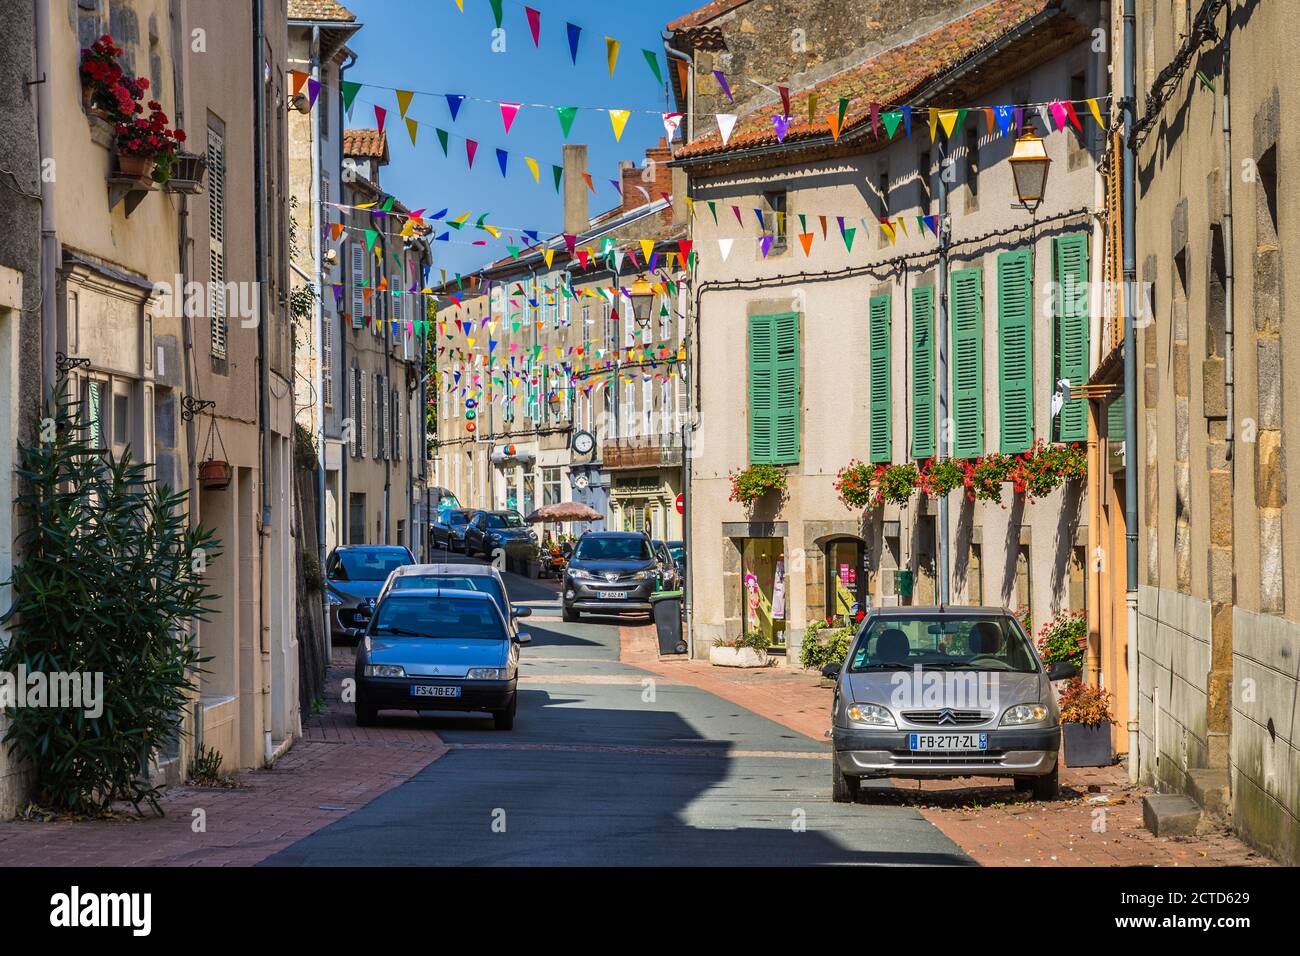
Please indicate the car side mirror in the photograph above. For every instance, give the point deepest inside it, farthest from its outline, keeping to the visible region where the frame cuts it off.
(525, 637)
(518, 611)
(831, 670)
(1062, 671)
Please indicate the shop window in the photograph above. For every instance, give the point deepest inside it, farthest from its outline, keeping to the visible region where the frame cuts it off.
(846, 578)
(763, 578)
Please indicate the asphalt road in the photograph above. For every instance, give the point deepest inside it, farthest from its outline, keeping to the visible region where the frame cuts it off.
(609, 766)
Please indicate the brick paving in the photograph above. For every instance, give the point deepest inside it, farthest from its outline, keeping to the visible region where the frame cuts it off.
(334, 769)
(989, 820)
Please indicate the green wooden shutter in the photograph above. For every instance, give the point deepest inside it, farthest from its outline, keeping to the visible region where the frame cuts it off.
(967, 295)
(787, 399)
(1072, 330)
(762, 423)
(1016, 349)
(878, 315)
(923, 372)
(1115, 419)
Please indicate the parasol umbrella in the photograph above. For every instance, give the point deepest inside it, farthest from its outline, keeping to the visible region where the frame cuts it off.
(564, 511)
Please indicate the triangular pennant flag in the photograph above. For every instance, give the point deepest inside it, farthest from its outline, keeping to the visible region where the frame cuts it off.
(336, 230)
(671, 123)
(875, 120)
(471, 148)
(371, 236)
(724, 247)
(713, 208)
(442, 138)
(380, 113)
(411, 126)
(647, 247)
(534, 23)
(502, 158)
(1074, 117)
(934, 123)
(611, 54)
(313, 90)
(404, 101)
(726, 123)
(813, 97)
(848, 239)
(736, 210)
(454, 101)
(349, 90)
(1004, 115)
(548, 255)
(891, 119)
(834, 120)
(990, 122)
(532, 168)
(586, 178)
(726, 87)
(685, 246)
(785, 100)
(782, 123)
(1096, 112)
(558, 173)
(299, 78)
(566, 115)
(618, 119)
(574, 31)
(1045, 111)
(653, 59)
(843, 109)
(947, 119)
(806, 240)
(765, 245)
(1058, 113)
(907, 120)
(496, 11)
(508, 113)
(569, 242)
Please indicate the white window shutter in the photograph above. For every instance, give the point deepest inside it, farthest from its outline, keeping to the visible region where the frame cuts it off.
(217, 243)
(358, 252)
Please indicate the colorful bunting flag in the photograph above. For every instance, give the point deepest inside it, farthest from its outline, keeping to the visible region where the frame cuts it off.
(380, 113)
(349, 90)
(726, 123)
(618, 119)
(532, 168)
(575, 32)
(722, 82)
(471, 148)
(411, 126)
(534, 24)
(454, 101)
(508, 113)
(652, 58)
(502, 158)
(404, 101)
(611, 54)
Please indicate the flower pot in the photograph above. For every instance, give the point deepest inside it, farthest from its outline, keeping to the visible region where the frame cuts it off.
(1087, 745)
(214, 474)
(135, 167)
(737, 657)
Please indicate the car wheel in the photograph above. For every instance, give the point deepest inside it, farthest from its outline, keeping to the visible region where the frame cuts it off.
(367, 715)
(1048, 787)
(843, 789)
(570, 615)
(1024, 784)
(505, 719)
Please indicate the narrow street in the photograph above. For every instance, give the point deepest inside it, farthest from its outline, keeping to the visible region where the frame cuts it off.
(595, 774)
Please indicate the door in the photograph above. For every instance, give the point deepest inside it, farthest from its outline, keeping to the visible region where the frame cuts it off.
(763, 579)
(846, 578)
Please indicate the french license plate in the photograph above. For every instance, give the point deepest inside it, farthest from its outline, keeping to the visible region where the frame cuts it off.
(428, 690)
(948, 741)
(615, 595)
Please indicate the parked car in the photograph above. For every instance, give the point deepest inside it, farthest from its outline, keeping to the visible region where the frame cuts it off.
(945, 692)
(678, 550)
(354, 576)
(669, 577)
(610, 572)
(448, 529)
(489, 530)
(438, 650)
(460, 577)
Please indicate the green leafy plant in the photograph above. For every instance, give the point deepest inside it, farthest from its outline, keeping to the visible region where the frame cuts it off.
(205, 768)
(898, 482)
(1063, 639)
(940, 476)
(109, 583)
(986, 475)
(754, 639)
(824, 644)
(1085, 704)
(752, 483)
(856, 484)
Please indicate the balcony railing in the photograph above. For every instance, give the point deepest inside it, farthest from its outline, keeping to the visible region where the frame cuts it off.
(642, 451)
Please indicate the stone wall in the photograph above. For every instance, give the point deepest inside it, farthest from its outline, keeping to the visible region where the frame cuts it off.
(1173, 662)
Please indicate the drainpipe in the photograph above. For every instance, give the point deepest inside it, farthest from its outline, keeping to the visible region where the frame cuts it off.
(49, 238)
(1229, 331)
(343, 505)
(674, 54)
(385, 415)
(317, 283)
(690, 425)
(263, 349)
(1130, 376)
(945, 238)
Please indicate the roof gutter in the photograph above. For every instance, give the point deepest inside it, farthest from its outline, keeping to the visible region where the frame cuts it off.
(929, 90)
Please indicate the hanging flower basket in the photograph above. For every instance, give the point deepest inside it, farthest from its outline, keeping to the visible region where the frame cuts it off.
(135, 167)
(215, 474)
(756, 481)
(187, 171)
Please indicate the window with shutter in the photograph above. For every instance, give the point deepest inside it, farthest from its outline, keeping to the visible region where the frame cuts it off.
(1016, 349)
(353, 381)
(878, 346)
(967, 297)
(361, 419)
(381, 419)
(327, 362)
(1072, 331)
(357, 250)
(217, 243)
(774, 389)
(923, 372)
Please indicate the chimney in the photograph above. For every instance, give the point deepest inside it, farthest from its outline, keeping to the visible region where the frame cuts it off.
(577, 219)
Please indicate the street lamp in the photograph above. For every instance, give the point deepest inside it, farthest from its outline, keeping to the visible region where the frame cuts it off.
(556, 402)
(643, 300)
(1029, 164)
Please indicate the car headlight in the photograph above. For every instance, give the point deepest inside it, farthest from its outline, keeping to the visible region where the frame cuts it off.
(487, 673)
(1024, 714)
(872, 714)
(644, 575)
(384, 670)
(580, 574)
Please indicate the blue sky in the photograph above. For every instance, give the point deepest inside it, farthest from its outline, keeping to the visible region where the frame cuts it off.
(428, 45)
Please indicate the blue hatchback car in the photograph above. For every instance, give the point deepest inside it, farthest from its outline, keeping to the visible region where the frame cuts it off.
(443, 649)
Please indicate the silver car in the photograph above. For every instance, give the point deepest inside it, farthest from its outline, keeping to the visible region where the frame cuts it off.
(944, 692)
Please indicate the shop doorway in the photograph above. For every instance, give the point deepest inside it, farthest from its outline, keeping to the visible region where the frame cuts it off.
(763, 578)
(847, 587)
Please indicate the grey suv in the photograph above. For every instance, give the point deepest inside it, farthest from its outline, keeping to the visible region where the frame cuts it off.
(610, 572)
(944, 692)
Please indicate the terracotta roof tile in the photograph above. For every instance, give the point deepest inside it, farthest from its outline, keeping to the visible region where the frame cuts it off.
(886, 78)
(704, 14)
(369, 143)
(320, 10)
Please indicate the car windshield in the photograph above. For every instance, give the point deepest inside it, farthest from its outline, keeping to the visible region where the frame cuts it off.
(677, 550)
(485, 583)
(943, 642)
(457, 518)
(613, 549)
(365, 564)
(452, 618)
(505, 521)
